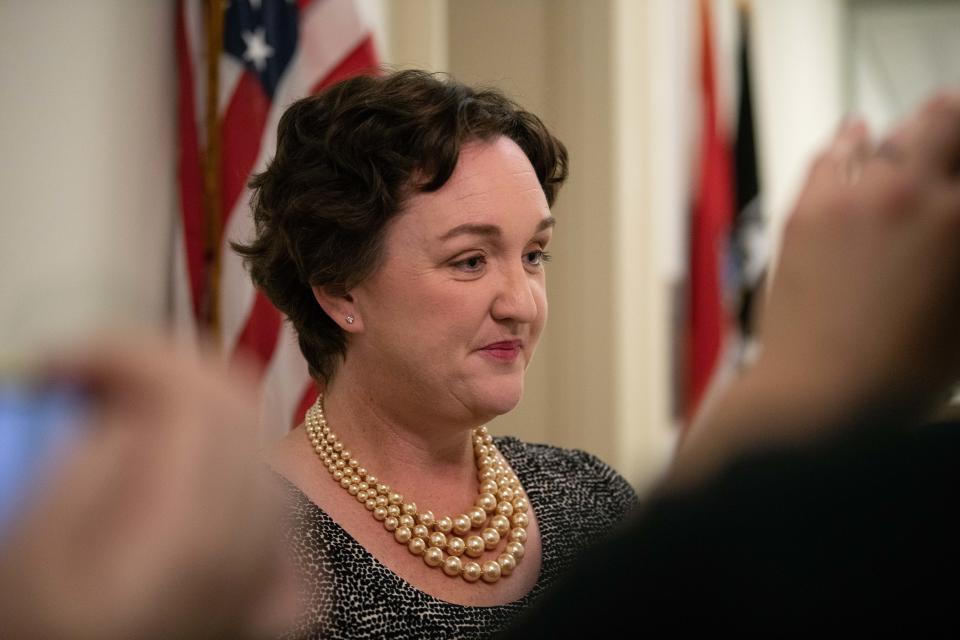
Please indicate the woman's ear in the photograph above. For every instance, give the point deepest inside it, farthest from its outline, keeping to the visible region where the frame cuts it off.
(340, 307)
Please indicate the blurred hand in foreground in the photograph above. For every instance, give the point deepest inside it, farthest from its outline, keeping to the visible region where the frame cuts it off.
(159, 522)
(860, 322)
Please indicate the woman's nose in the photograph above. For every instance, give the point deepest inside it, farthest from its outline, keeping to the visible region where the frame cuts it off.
(515, 299)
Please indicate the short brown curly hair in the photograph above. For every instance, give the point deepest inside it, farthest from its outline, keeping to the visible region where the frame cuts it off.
(346, 160)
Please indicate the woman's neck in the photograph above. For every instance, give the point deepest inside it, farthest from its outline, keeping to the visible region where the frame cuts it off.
(401, 438)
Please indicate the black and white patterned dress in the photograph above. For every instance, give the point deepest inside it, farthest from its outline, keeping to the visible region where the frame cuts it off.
(577, 500)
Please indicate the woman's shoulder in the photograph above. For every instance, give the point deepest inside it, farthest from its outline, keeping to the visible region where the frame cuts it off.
(582, 476)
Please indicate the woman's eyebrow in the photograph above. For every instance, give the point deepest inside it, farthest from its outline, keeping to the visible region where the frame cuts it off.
(546, 223)
(490, 230)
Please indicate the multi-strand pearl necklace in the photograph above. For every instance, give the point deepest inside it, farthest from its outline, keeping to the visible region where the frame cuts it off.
(499, 513)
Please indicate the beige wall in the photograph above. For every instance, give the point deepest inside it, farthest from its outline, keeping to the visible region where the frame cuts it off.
(88, 135)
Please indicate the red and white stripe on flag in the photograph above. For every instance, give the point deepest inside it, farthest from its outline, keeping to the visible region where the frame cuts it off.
(274, 52)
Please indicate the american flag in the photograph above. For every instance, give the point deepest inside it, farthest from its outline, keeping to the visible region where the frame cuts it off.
(273, 52)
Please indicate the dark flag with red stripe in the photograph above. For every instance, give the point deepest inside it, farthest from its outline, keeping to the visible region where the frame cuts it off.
(270, 53)
(749, 246)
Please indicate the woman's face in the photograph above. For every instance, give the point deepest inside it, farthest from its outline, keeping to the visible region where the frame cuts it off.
(455, 311)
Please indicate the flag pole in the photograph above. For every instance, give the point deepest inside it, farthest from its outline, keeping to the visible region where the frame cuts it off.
(211, 168)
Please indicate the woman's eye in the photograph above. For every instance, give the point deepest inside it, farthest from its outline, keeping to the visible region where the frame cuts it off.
(472, 264)
(537, 258)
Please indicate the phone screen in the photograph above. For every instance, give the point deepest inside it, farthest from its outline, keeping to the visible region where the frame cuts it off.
(37, 424)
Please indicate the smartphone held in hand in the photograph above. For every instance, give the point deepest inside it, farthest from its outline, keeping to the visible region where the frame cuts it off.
(38, 424)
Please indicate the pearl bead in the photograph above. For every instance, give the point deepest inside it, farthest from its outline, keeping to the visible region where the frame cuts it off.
(360, 495)
(381, 501)
(520, 520)
(487, 439)
(362, 472)
(383, 489)
(521, 505)
(507, 563)
(379, 514)
(506, 494)
(421, 531)
(515, 549)
(426, 518)
(370, 504)
(402, 535)
(353, 489)
(345, 482)
(406, 521)
(340, 464)
(461, 523)
(486, 474)
(505, 509)
(410, 508)
(477, 517)
(445, 524)
(501, 524)
(518, 535)
(393, 510)
(452, 566)
(433, 556)
(390, 523)
(438, 539)
(338, 475)
(472, 571)
(489, 486)
(490, 538)
(372, 479)
(487, 502)
(456, 546)
(344, 454)
(363, 485)
(491, 572)
(481, 451)
(475, 546)
(396, 498)
(355, 479)
(417, 546)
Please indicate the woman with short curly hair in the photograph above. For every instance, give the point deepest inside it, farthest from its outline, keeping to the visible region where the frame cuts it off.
(403, 229)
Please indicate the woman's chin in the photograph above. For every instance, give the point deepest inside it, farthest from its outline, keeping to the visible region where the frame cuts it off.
(499, 399)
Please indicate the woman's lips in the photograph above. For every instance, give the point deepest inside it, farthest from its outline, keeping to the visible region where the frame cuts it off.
(506, 351)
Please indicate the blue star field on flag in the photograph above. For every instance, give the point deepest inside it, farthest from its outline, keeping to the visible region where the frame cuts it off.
(262, 36)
